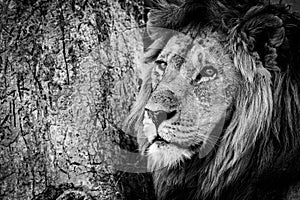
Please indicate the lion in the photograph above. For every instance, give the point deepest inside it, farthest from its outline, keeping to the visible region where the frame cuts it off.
(218, 113)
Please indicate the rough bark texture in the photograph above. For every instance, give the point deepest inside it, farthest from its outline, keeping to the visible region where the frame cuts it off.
(68, 77)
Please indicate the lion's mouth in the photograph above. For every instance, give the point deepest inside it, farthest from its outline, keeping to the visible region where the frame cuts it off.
(159, 139)
(150, 129)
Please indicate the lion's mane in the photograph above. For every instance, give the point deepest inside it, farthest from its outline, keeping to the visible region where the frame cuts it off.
(258, 155)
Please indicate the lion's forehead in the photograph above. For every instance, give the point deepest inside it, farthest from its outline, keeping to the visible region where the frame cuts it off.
(177, 45)
(192, 54)
(176, 50)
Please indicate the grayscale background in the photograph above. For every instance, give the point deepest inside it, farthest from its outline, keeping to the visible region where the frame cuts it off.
(69, 74)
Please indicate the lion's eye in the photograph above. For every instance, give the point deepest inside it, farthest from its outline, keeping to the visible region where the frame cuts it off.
(162, 65)
(208, 71)
(158, 72)
(206, 74)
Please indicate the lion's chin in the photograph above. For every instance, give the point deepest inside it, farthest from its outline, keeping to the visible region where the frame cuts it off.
(161, 155)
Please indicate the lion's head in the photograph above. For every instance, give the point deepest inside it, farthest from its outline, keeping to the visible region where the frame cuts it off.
(217, 79)
(193, 83)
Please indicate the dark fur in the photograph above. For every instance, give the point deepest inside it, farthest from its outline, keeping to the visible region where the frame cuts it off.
(270, 160)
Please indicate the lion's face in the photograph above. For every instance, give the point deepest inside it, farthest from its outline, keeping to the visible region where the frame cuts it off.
(194, 83)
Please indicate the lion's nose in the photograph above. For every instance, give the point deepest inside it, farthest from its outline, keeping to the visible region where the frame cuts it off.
(159, 116)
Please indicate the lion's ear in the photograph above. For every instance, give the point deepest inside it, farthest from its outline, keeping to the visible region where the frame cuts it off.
(263, 32)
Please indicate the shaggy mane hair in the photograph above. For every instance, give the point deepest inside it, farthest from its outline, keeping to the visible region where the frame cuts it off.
(258, 155)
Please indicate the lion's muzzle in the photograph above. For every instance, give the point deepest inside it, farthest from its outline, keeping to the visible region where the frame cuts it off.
(151, 122)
